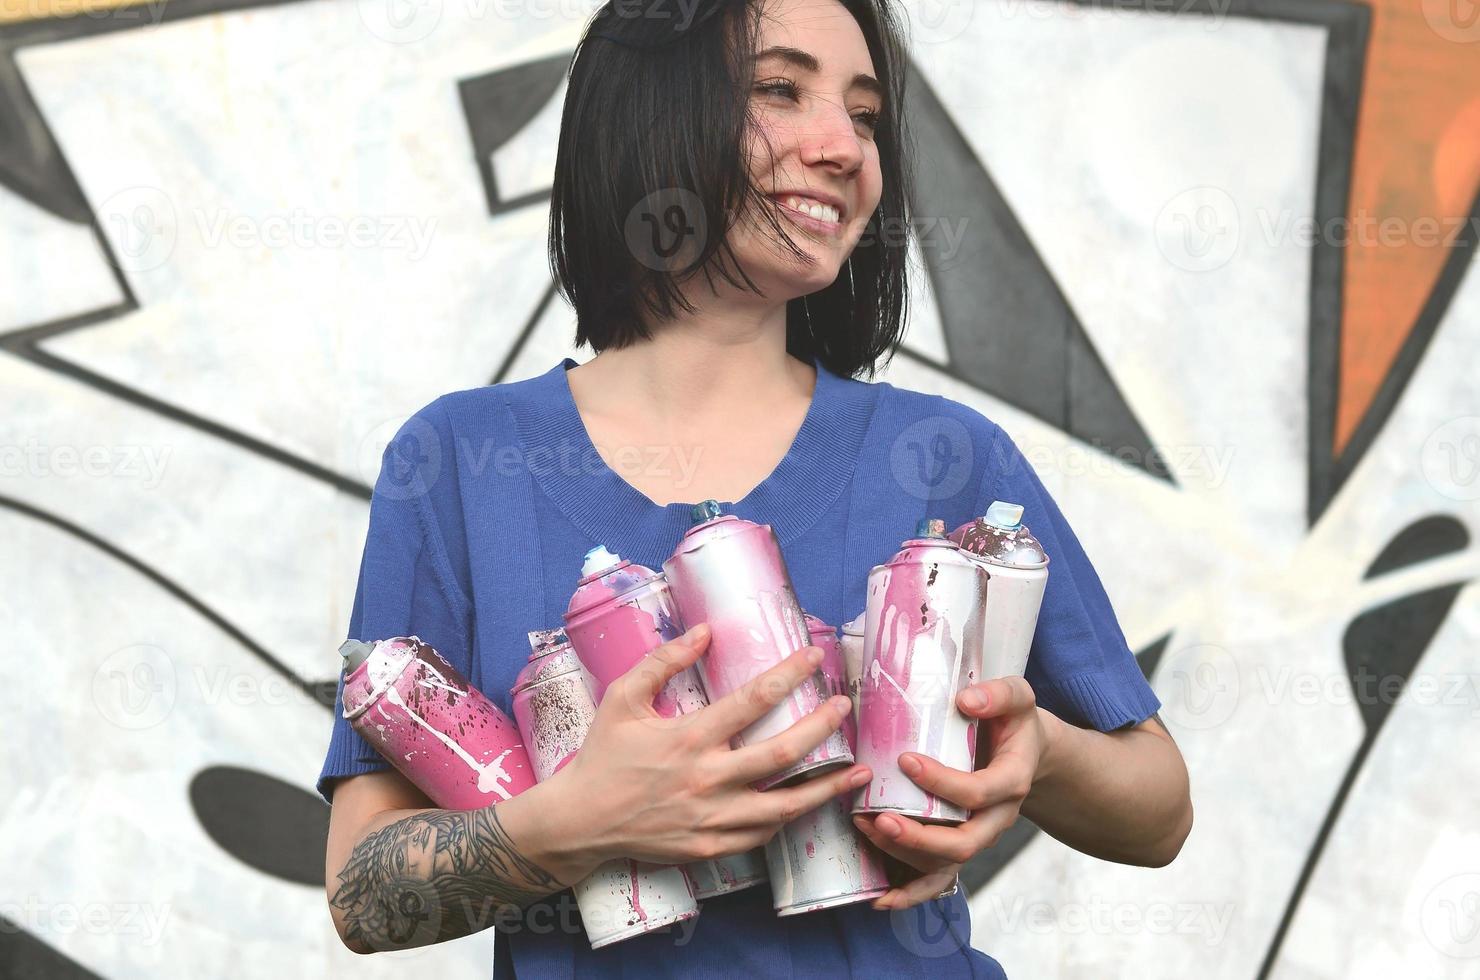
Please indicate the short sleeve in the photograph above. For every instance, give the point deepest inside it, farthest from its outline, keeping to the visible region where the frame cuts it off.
(1080, 666)
(406, 586)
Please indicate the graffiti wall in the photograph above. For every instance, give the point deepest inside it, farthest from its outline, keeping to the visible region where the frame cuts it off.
(1232, 243)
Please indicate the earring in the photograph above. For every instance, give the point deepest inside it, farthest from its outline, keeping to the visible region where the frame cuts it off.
(851, 294)
(808, 311)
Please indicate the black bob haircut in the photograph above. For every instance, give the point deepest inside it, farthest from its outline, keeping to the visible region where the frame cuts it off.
(653, 132)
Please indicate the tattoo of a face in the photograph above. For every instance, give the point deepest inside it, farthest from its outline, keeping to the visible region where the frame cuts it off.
(435, 876)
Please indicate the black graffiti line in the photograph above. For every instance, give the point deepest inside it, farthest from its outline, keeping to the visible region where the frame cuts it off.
(945, 369)
(24, 344)
(1415, 345)
(1446, 594)
(313, 690)
(525, 332)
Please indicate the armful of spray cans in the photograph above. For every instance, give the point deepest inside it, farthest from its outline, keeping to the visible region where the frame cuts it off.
(941, 614)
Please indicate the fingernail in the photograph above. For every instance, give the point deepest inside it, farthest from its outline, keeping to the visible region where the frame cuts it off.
(859, 778)
(910, 765)
(973, 699)
(814, 655)
(697, 632)
(841, 705)
(888, 825)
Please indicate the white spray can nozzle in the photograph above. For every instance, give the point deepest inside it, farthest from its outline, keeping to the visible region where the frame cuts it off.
(597, 559)
(1004, 515)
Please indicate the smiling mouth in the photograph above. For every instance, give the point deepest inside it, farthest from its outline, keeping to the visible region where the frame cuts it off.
(810, 214)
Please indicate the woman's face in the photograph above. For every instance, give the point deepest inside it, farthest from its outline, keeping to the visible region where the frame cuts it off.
(814, 99)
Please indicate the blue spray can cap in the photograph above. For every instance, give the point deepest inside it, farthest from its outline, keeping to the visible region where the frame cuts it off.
(706, 510)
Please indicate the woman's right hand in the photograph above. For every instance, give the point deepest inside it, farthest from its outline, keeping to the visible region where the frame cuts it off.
(672, 790)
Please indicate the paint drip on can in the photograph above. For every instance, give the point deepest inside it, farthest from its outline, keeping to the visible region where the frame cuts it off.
(555, 706)
(820, 860)
(438, 730)
(620, 612)
(923, 631)
(729, 572)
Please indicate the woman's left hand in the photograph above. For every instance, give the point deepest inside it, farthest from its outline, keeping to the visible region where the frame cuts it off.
(1009, 721)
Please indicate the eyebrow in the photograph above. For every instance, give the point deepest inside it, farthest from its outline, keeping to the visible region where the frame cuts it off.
(806, 62)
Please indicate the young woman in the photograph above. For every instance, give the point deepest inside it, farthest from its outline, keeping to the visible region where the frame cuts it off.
(725, 194)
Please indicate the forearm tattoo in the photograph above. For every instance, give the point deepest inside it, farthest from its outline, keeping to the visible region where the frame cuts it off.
(435, 876)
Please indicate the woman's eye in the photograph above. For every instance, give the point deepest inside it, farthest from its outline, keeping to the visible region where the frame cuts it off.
(869, 118)
(783, 88)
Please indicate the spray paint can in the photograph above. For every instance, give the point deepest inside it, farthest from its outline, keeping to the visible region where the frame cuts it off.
(620, 613)
(554, 705)
(820, 860)
(851, 645)
(729, 573)
(834, 670)
(923, 630)
(419, 712)
(1019, 570)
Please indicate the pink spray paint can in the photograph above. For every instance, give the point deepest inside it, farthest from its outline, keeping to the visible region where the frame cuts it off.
(620, 613)
(729, 573)
(419, 712)
(820, 860)
(834, 669)
(1019, 570)
(851, 645)
(554, 704)
(923, 630)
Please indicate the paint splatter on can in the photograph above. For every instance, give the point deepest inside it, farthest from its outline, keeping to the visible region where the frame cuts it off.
(820, 860)
(1019, 570)
(729, 573)
(851, 644)
(833, 668)
(419, 712)
(923, 630)
(621, 612)
(554, 705)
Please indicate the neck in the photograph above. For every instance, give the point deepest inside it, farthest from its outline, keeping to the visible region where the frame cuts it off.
(711, 363)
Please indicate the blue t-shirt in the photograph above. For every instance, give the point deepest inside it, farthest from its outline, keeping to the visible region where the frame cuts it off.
(489, 498)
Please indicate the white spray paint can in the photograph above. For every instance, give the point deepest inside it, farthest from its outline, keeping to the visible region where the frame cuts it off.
(554, 705)
(1019, 571)
(820, 860)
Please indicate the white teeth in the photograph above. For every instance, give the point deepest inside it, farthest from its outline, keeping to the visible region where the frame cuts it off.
(822, 212)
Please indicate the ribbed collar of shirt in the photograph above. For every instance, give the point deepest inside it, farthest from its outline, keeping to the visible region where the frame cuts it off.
(564, 464)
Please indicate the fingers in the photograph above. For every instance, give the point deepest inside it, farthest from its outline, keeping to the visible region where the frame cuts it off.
(637, 688)
(921, 889)
(997, 697)
(1006, 778)
(930, 847)
(739, 708)
(780, 806)
(752, 762)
